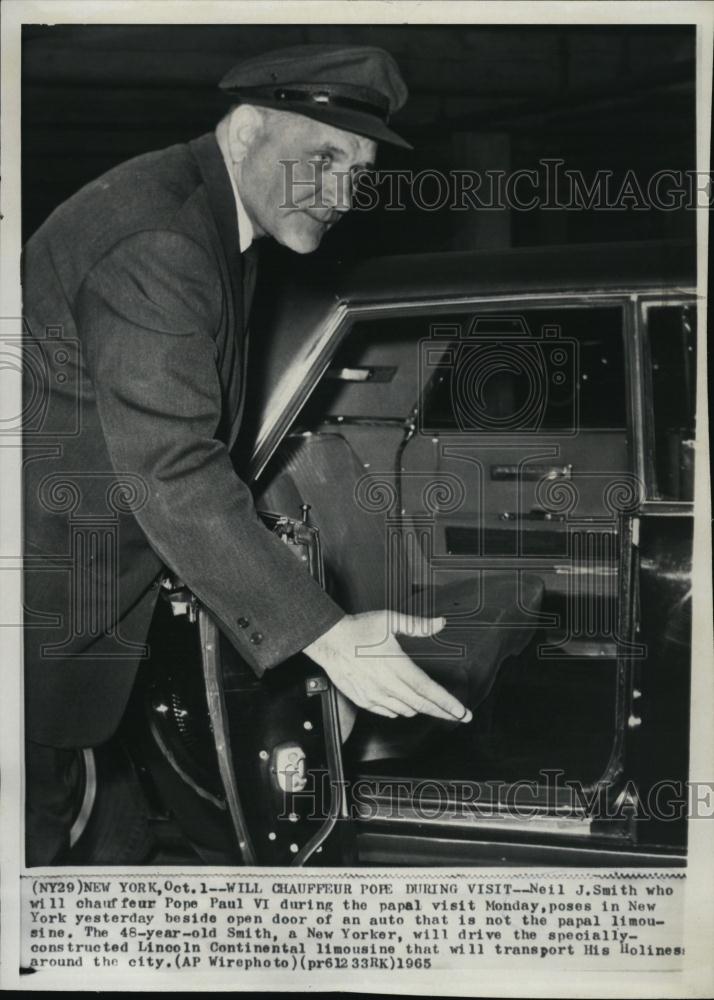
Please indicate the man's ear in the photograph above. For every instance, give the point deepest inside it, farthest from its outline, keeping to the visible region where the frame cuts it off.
(244, 124)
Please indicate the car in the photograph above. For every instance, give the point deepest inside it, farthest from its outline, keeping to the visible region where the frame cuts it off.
(515, 428)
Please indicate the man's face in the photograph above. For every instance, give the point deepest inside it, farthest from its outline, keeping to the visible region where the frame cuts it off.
(296, 178)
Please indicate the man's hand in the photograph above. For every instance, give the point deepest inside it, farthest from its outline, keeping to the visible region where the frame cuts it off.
(383, 680)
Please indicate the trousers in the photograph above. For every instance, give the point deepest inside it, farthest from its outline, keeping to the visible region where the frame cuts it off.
(51, 779)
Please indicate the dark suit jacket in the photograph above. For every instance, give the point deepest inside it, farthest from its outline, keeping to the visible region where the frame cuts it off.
(134, 367)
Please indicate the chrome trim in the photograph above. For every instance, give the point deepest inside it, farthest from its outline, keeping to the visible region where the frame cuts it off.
(634, 372)
(595, 569)
(333, 747)
(339, 421)
(371, 845)
(596, 297)
(667, 508)
(568, 826)
(89, 796)
(211, 664)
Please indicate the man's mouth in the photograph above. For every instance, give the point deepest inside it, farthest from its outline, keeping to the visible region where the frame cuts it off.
(324, 220)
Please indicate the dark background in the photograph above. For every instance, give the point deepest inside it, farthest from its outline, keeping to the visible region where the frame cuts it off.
(482, 97)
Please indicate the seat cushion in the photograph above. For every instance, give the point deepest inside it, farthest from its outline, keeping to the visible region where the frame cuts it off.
(488, 619)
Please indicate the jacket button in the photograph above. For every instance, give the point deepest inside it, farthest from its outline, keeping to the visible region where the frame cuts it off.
(243, 622)
(256, 638)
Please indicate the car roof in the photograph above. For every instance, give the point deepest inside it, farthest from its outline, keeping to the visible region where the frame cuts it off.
(317, 290)
(525, 270)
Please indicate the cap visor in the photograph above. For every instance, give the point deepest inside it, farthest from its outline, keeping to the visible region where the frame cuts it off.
(343, 118)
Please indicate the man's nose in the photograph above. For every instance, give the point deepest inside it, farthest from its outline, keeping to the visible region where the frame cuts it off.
(337, 190)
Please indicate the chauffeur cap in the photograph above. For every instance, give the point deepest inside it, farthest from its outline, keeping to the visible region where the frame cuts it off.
(355, 88)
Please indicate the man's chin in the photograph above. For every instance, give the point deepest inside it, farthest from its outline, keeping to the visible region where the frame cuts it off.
(303, 238)
(301, 243)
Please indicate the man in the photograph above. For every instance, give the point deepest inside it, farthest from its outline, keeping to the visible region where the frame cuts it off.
(146, 274)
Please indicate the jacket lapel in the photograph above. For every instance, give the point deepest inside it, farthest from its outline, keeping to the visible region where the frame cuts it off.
(223, 209)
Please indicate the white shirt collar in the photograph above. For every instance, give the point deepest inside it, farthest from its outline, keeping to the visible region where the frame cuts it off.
(245, 226)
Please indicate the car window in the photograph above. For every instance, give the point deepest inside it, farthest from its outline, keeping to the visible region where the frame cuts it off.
(672, 351)
(550, 370)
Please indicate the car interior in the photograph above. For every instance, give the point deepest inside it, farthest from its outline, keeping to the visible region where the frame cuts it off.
(502, 503)
(465, 464)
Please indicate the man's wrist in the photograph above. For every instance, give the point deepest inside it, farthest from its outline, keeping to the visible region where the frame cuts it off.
(324, 640)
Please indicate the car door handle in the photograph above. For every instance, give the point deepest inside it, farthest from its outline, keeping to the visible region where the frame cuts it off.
(530, 472)
(362, 373)
(532, 515)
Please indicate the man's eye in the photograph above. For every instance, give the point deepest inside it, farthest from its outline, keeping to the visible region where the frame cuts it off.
(324, 159)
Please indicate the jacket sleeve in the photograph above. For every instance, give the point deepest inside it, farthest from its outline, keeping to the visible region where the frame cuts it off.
(146, 314)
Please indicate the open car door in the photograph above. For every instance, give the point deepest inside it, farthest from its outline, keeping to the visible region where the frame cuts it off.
(433, 441)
